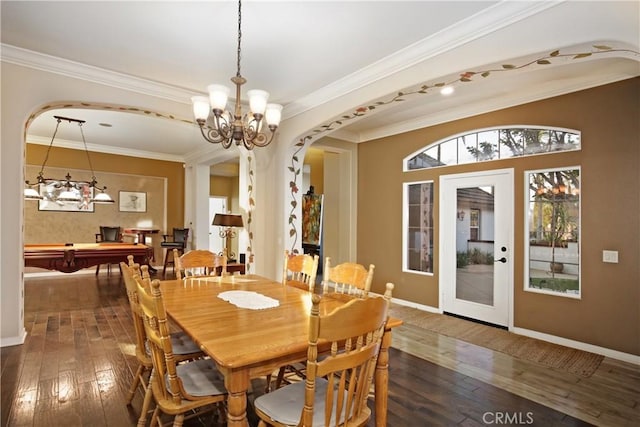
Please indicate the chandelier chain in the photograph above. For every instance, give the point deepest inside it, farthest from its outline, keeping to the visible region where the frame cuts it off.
(228, 127)
(66, 190)
(46, 157)
(86, 150)
(239, 36)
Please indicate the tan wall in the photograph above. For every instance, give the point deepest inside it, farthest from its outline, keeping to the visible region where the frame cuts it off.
(314, 157)
(118, 173)
(608, 314)
(225, 186)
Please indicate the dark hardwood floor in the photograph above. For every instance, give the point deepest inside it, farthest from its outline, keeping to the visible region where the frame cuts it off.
(76, 366)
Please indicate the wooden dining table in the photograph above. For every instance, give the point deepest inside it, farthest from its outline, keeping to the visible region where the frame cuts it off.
(248, 343)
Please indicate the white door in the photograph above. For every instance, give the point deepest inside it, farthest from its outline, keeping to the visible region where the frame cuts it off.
(476, 241)
(216, 205)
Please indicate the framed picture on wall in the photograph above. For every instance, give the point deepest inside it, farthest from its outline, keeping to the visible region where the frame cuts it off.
(51, 192)
(132, 201)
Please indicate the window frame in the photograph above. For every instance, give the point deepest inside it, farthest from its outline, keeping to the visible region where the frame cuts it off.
(406, 227)
(528, 243)
(461, 139)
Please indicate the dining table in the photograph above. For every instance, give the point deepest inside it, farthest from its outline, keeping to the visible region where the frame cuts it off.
(251, 325)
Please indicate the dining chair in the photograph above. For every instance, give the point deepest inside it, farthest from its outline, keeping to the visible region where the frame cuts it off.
(184, 348)
(347, 278)
(199, 262)
(191, 387)
(177, 240)
(108, 235)
(338, 382)
(300, 270)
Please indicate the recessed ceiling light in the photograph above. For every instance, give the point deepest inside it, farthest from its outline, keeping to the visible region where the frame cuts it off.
(107, 125)
(447, 90)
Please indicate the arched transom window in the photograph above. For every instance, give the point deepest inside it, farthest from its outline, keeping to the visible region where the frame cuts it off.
(494, 144)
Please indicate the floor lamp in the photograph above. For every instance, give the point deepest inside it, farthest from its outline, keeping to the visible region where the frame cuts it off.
(227, 222)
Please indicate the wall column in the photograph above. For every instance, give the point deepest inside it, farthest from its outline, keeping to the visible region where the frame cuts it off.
(196, 215)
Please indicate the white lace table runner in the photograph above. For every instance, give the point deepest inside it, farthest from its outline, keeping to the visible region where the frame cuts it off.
(219, 279)
(249, 299)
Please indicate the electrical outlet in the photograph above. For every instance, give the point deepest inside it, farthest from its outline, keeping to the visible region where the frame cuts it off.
(610, 256)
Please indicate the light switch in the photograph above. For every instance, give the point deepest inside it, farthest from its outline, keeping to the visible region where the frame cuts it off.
(610, 256)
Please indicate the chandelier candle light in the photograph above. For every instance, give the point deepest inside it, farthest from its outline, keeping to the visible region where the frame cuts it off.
(226, 128)
(67, 190)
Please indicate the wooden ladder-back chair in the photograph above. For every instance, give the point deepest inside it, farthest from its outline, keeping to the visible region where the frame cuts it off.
(184, 347)
(347, 278)
(191, 387)
(199, 262)
(300, 271)
(338, 383)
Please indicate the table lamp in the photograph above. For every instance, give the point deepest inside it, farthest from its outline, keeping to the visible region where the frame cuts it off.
(227, 222)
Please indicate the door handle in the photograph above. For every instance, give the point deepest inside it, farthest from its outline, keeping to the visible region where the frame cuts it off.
(502, 260)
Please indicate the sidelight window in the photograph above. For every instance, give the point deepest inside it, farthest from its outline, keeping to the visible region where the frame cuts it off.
(418, 223)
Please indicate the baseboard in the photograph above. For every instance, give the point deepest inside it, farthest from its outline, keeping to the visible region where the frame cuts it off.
(607, 352)
(53, 273)
(416, 305)
(90, 270)
(11, 341)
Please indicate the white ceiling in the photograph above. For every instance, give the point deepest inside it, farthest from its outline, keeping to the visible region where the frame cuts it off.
(308, 54)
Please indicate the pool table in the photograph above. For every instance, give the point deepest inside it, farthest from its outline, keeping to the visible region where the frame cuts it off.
(70, 257)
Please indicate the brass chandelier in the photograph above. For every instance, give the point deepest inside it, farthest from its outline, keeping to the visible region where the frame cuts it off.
(66, 191)
(226, 128)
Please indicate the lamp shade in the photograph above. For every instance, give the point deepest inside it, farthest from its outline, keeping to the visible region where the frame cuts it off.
(32, 194)
(103, 198)
(257, 100)
(218, 95)
(200, 107)
(273, 114)
(69, 196)
(228, 220)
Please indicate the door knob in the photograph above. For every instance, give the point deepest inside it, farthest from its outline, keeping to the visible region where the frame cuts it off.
(502, 260)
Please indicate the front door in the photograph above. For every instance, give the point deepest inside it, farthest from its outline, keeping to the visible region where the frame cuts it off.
(476, 241)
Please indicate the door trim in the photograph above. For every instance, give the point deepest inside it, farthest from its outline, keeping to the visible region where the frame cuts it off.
(447, 210)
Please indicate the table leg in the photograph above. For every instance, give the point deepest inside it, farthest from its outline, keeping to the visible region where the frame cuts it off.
(142, 238)
(237, 384)
(382, 380)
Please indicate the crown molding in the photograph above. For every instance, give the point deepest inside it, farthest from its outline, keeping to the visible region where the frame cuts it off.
(52, 64)
(98, 148)
(489, 20)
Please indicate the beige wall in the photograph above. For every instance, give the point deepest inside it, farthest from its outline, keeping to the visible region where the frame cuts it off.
(314, 157)
(608, 314)
(118, 173)
(228, 187)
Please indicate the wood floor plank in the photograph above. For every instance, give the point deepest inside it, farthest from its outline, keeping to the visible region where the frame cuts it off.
(76, 366)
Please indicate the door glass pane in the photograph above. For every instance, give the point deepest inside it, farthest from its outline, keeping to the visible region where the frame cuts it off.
(474, 244)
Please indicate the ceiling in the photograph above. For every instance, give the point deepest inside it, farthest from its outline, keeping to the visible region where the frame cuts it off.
(350, 56)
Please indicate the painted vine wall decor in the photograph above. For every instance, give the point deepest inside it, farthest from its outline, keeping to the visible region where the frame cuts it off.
(102, 106)
(465, 77)
(250, 207)
(295, 168)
